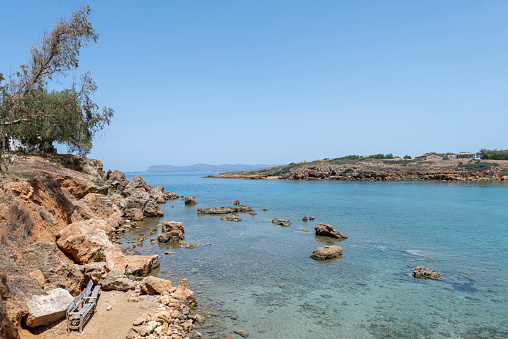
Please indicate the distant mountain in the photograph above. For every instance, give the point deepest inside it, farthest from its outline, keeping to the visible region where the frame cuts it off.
(206, 168)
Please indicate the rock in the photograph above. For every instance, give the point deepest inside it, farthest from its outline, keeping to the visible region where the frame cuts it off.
(46, 309)
(154, 285)
(190, 246)
(144, 318)
(231, 217)
(242, 333)
(252, 213)
(57, 270)
(97, 206)
(86, 240)
(281, 222)
(183, 294)
(7, 328)
(312, 218)
(426, 273)
(172, 231)
(21, 189)
(224, 210)
(326, 252)
(265, 209)
(143, 201)
(168, 226)
(133, 214)
(329, 231)
(199, 318)
(117, 180)
(94, 271)
(190, 201)
(237, 202)
(116, 280)
(158, 194)
(138, 182)
(305, 219)
(141, 265)
(109, 308)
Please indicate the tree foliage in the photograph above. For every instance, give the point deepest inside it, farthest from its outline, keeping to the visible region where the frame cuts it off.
(38, 116)
(494, 154)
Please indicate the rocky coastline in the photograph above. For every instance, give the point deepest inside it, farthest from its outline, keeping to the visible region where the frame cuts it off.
(60, 221)
(381, 170)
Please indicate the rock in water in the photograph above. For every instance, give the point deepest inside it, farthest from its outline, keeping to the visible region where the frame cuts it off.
(326, 252)
(426, 273)
(190, 201)
(237, 202)
(305, 219)
(242, 333)
(329, 231)
(281, 222)
(231, 217)
(46, 309)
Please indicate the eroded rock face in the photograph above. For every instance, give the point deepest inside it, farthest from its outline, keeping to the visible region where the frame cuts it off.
(21, 189)
(141, 265)
(117, 180)
(116, 280)
(328, 231)
(281, 222)
(171, 231)
(326, 252)
(231, 217)
(426, 273)
(85, 239)
(97, 206)
(133, 214)
(94, 271)
(190, 201)
(144, 202)
(46, 309)
(57, 270)
(7, 328)
(154, 285)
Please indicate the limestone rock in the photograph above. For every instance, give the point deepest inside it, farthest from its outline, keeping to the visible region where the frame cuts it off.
(190, 201)
(172, 231)
(183, 294)
(242, 333)
(133, 214)
(329, 231)
(231, 217)
(326, 252)
(154, 285)
(143, 201)
(117, 181)
(158, 194)
(57, 269)
(281, 222)
(97, 206)
(46, 309)
(21, 189)
(94, 271)
(425, 272)
(305, 219)
(237, 202)
(7, 328)
(84, 239)
(312, 218)
(141, 265)
(116, 280)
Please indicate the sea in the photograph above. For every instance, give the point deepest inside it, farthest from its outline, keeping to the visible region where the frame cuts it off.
(257, 276)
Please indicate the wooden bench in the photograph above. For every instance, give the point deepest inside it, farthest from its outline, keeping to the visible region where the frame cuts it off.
(82, 307)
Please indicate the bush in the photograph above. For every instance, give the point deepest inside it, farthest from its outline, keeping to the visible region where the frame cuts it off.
(494, 154)
(407, 157)
(98, 256)
(99, 181)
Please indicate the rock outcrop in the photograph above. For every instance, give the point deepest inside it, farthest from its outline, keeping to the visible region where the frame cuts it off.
(46, 309)
(326, 252)
(7, 328)
(190, 201)
(141, 265)
(426, 273)
(281, 222)
(231, 217)
(224, 210)
(172, 231)
(328, 231)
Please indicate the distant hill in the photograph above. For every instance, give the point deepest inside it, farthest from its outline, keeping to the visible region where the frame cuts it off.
(206, 168)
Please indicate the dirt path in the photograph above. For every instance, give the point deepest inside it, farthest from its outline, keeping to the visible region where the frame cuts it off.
(104, 324)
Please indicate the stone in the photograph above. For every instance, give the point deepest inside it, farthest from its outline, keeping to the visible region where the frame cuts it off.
(425, 273)
(242, 333)
(326, 252)
(133, 214)
(305, 219)
(199, 318)
(154, 285)
(7, 328)
(141, 265)
(85, 240)
(56, 269)
(190, 201)
(172, 231)
(21, 189)
(46, 309)
(237, 202)
(312, 218)
(183, 294)
(116, 280)
(143, 201)
(98, 206)
(265, 209)
(281, 222)
(168, 226)
(252, 212)
(328, 231)
(109, 308)
(231, 217)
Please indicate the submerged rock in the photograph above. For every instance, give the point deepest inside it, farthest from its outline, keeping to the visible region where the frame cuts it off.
(326, 252)
(329, 231)
(231, 217)
(426, 273)
(281, 222)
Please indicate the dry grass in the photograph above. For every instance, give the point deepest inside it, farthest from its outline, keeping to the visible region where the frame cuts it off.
(19, 219)
(3, 234)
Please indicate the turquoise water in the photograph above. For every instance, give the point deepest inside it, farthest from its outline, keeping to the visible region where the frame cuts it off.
(259, 277)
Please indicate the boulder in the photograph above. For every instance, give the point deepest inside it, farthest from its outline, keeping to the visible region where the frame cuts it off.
(154, 285)
(138, 182)
(190, 201)
(305, 219)
(231, 217)
(94, 271)
(141, 265)
(157, 193)
(425, 273)
(265, 209)
(326, 252)
(97, 206)
(281, 222)
(312, 218)
(57, 270)
(171, 231)
(252, 212)
(168, 226)
(46, 309)
(242, 333)
(21, 189)
(92, 167)
(116, 280)
(117, 181)
(328, 231)
(183, 294)
(133, 214)
(170, 196)
(7, 328)
(242, 208)
(87, 240)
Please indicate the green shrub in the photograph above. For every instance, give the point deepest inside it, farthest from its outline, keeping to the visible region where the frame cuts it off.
(99, 181)
(98, 256)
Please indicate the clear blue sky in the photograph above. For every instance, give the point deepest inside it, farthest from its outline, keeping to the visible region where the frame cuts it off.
(281, 81)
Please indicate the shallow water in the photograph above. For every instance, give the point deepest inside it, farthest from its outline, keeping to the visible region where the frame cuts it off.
(259, 277)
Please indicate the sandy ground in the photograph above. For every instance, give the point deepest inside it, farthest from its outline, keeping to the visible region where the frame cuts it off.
(104, 324)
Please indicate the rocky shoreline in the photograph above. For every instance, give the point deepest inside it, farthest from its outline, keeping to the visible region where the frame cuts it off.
(381, 170)
(61, 217)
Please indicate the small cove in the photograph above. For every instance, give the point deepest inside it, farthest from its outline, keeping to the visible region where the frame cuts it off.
(259, 277)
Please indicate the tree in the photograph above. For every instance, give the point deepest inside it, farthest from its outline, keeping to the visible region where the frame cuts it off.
(38, 117)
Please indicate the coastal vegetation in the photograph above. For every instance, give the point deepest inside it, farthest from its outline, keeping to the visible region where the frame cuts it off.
(38, 116)
(494, 154)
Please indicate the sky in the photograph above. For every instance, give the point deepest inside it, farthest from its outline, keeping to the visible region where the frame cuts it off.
(275, 81)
